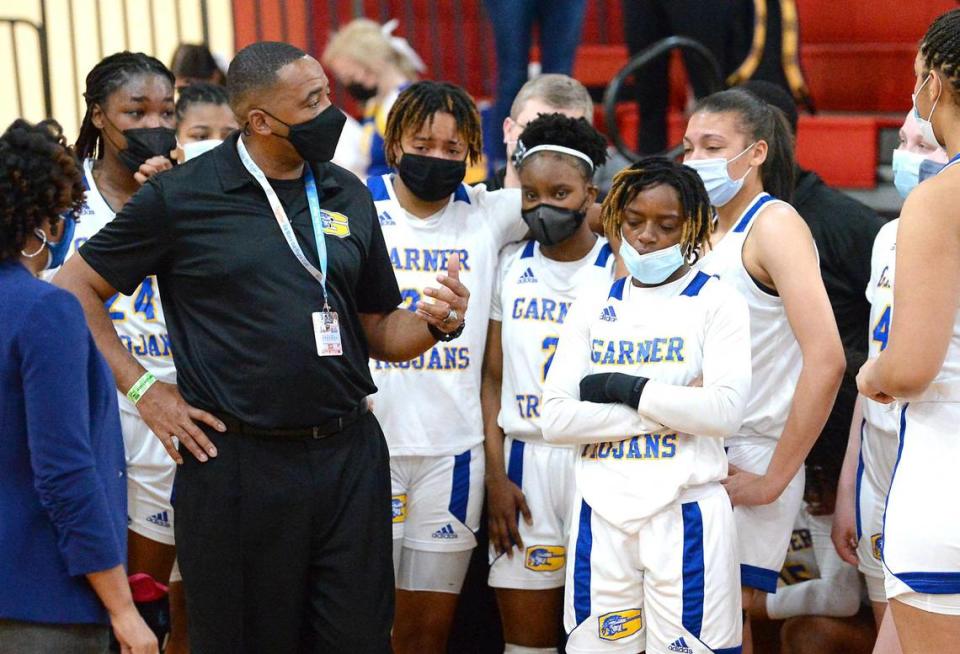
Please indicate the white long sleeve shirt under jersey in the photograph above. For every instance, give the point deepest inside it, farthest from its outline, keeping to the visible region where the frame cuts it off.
(691, 339)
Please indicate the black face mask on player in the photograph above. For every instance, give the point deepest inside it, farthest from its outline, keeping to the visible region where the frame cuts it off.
(550, 225)
(145, 143)
(361, 92)
(431, 178)
(315, 139)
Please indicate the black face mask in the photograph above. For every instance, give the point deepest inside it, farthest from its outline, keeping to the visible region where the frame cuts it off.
(551, 225)
(361, 92)
(431, 178)
(144, 143)
(315, 139)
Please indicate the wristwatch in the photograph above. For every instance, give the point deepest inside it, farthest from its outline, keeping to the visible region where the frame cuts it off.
(445, 337)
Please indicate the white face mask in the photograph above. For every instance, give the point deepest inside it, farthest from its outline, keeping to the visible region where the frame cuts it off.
(716, 177)
(652, 267)
(195, 149)
(925, 124)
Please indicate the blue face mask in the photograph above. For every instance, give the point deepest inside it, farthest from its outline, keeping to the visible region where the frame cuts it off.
(653, 267)
(58, 251)
(910, 168)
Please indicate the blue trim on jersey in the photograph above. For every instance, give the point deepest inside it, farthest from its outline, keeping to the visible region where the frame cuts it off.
(760, 578)
(694, 572)
(729, 650)
(762, 200)
(528, 249)
(581, 565)
(932, 583)
(616, 291)
(893, 475)
(460, 195)
(378, 188)
(515, 467)
(460, 487)
(856, 505)
(696, 284)
(604, 255)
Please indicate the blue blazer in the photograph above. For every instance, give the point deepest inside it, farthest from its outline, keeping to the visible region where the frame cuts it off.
(63, 500)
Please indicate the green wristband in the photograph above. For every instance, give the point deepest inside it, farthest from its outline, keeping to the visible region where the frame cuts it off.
(142, 386)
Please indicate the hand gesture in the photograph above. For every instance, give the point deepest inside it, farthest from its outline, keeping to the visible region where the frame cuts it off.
(504, 501)
(169, 417)
(151, 167)
(133, 634)
(748, 489)
(449, 305)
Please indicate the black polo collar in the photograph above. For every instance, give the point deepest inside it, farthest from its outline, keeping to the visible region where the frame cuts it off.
(233, 175)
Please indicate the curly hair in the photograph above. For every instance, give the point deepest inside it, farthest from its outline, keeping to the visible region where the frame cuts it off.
(574, 133)
(940, 47)
(40, 180)
(695, 206)
(416, 106)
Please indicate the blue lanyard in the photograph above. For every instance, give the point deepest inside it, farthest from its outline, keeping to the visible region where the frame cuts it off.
(318, 220)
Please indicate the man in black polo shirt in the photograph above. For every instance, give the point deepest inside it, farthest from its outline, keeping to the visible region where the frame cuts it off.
(283, 513)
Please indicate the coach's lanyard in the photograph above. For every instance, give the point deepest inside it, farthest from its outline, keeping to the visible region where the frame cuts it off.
(316, 218)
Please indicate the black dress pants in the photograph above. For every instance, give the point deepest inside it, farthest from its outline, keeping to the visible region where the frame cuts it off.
(285, 545)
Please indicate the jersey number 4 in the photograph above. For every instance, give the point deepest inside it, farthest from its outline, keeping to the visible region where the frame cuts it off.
(881, 332)
(143, 302)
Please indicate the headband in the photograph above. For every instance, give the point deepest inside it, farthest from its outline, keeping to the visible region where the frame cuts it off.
(522, 152)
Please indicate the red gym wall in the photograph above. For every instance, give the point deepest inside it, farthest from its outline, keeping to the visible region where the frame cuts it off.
(856, 55)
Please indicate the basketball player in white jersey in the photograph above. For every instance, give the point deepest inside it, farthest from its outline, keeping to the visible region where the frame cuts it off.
(127, 136)
(430, 407)
(874, 442)
(742, 149)
(537, 282)
(647, 380)
(920, 368)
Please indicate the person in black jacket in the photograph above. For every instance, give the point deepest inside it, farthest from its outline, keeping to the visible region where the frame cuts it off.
(843, 230)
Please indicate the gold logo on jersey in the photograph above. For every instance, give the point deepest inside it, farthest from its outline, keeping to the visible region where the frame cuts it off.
(545, 558)
(399, 504)
(620, 624)
(335, 223)
(876, 544)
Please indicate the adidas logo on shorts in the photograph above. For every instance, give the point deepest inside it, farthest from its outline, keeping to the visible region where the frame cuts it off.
(386, 219)
(527, 277)
(445, 532)
(680, 645)
(160, 519)
(608, 314)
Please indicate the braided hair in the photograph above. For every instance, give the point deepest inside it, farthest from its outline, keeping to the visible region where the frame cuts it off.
(940, 47)
(760, 121)
(416, 106)
(39, 180)
(574, 133)
(200, 93)
(695, 209)
(103, 79)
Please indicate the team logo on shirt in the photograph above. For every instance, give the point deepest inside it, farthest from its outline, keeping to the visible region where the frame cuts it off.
(680, 645)
(651, 350)
(445, 533)
(527, 277)
(620, 624)
(637, 448)
(386, 219)
(161, 519)
(884, 281)
(608, 314)
(545, 558)
(335, 223)
(876, 545)
(399, 504)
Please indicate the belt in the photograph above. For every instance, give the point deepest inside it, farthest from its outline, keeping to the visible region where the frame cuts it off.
(324, 429)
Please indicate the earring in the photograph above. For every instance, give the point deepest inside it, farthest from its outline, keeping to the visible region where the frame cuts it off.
(39, 233)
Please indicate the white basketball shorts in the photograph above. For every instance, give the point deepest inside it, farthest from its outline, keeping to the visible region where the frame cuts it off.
(150, 473)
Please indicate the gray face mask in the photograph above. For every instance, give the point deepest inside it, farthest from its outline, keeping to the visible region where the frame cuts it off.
(551, 225)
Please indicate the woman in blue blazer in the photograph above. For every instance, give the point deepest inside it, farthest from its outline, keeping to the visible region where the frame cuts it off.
(62, 478)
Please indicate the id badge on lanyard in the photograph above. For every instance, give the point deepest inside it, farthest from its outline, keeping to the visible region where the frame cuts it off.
(326, 323)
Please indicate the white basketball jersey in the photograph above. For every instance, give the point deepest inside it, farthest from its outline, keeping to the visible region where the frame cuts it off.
(532, 299)
(776, 354)
(801, 562)
(138, 318)
(882, 419)
(431, 405)
(682, 334)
